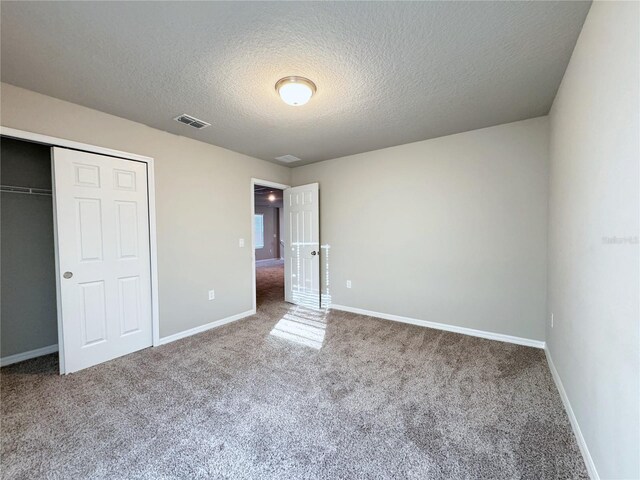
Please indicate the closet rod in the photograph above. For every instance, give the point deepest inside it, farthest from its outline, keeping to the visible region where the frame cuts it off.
(24, 190)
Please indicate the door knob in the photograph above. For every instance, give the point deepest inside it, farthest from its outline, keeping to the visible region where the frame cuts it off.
(67, 274)
(314, 253)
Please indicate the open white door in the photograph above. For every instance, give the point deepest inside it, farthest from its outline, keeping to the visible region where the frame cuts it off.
(302, 238)
(102, 229)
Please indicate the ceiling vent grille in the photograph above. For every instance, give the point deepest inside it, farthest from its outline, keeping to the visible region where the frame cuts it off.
(192, 121)
(288, 159)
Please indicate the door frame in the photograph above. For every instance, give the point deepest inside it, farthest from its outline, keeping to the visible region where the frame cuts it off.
(151, 196)
(263, 183)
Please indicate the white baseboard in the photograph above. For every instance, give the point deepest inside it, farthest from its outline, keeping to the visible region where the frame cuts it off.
(204, 328)
(267, 260)
(442, 326)
(20, 357)
(591, 467)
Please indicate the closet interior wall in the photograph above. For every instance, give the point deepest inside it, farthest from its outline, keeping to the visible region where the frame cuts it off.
(27, 275)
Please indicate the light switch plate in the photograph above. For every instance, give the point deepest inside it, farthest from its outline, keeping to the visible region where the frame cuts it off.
(241, 242)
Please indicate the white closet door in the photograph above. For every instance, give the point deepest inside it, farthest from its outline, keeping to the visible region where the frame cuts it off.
(102, 226)
(302, 235)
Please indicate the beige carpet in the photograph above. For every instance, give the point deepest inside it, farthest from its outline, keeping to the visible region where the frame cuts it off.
(292, 393)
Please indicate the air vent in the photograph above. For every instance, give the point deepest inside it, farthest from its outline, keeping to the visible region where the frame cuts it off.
(192, 121)
(288, 159)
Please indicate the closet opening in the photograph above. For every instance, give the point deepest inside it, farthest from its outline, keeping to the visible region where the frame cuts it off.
(78, 252)
(28, 315)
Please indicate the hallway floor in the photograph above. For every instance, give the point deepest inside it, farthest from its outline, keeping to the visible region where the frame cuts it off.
(269, 282)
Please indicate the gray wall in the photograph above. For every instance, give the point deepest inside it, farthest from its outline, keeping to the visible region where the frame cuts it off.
(450, 230)
(27, 275)
(593, 236)
(203, 204)
(271, 235)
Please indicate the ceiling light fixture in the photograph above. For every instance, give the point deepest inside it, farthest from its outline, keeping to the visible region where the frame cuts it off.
(295, 91)
(272, 198)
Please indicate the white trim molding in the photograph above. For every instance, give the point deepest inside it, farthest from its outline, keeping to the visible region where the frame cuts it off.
(442, 326)
(21, 357)
(586, 455)
(205, 327)
(62, 142)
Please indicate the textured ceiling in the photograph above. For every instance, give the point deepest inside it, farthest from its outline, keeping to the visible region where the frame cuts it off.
(387, 73)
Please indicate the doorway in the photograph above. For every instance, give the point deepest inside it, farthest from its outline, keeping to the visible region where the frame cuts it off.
(298, 243)
(268, 243)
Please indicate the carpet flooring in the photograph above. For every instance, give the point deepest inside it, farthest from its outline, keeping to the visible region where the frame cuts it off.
(292, 393)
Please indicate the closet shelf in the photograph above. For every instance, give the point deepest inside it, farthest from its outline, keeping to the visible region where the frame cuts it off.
(24, 190)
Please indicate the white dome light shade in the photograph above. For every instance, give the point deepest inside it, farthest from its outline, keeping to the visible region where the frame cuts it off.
(295, 91)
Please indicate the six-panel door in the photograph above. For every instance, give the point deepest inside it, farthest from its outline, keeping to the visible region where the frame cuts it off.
(302, 233)
(102, 223)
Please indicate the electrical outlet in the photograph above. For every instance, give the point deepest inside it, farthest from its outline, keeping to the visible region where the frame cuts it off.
(241, 242)
(348, 283)
(212, 294)
(552, 320)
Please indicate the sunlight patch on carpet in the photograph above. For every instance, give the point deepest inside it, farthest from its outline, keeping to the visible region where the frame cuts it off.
(303, 326)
